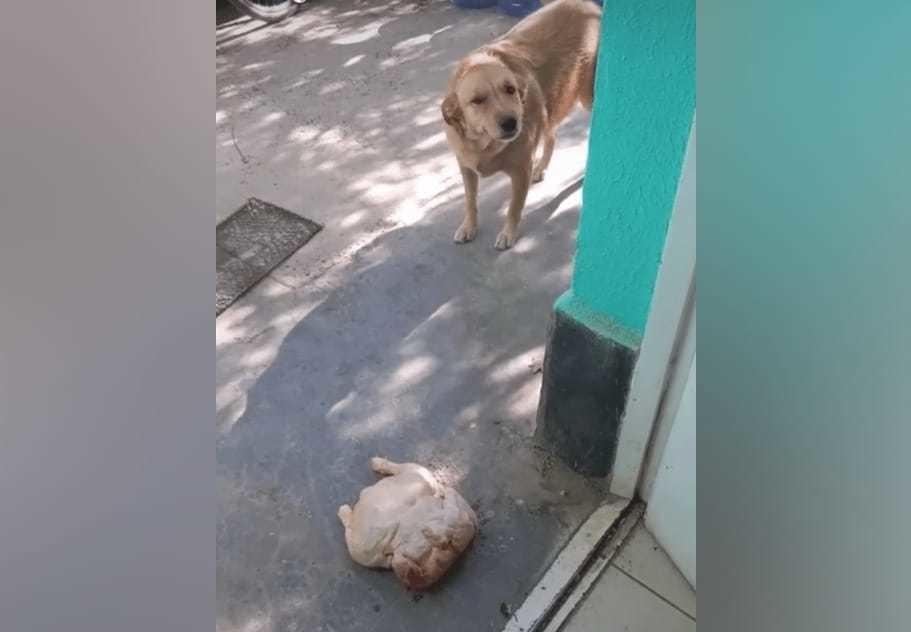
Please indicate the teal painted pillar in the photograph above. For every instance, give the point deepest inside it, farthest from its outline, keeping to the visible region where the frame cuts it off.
(645, 98)
(644, 105)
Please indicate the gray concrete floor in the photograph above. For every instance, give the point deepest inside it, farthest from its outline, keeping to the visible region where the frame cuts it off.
(380, 336)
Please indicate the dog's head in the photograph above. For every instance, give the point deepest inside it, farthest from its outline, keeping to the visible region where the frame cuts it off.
(486, 99)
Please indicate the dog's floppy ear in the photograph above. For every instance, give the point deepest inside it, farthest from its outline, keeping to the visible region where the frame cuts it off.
(452, 113)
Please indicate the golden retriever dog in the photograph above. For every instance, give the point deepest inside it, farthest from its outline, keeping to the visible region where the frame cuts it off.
(507, 98)
(408, 522)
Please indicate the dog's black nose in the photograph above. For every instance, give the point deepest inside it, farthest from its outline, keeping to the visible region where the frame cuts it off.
(508, 124)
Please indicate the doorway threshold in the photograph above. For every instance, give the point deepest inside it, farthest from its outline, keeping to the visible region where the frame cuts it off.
(577, 566)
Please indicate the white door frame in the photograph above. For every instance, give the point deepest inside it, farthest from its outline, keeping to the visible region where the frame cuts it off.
(669, 320)
(670, 476)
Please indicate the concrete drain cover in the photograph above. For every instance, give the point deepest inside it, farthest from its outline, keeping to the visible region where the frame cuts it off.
(251, 243)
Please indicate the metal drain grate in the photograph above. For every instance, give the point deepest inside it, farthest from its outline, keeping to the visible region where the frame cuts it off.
(251, 243)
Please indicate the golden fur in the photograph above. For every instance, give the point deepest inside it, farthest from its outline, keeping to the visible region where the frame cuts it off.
(408, 522)
(532, 76)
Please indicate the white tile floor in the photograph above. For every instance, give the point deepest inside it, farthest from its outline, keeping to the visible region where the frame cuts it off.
(640, 591)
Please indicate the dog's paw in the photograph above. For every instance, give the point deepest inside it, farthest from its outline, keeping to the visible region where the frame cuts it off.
(537, 174)
(465, 233)
(506, 239)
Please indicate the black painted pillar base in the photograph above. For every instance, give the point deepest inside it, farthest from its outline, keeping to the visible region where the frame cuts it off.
(583, 395)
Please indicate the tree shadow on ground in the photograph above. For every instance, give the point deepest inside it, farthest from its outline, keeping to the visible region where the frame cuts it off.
(426, 355)
(424, 350)
(336, 110)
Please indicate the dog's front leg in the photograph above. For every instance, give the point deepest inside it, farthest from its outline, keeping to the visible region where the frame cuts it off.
(521, 178)
(469, 227)
(549, 140)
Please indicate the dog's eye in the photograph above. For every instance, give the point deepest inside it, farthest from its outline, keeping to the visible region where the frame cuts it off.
(478, 100)
(510, 89)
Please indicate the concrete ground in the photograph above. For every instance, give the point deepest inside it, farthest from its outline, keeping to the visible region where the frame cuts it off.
(380, 336)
